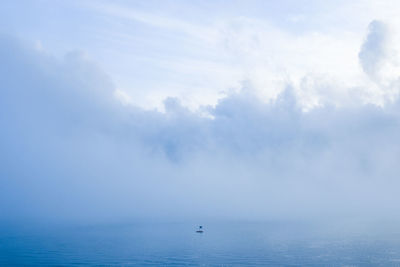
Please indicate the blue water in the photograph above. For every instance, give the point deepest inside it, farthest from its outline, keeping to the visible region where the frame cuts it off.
(174, 244)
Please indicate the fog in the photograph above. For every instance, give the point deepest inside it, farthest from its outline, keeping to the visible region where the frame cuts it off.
(70, 151)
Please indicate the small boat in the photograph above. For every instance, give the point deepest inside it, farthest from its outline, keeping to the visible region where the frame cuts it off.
(200, 229)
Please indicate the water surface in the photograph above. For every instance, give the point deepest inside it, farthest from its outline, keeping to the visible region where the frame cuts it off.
(177, 244)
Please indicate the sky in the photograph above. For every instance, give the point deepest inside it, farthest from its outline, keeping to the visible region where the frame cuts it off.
(186, 110)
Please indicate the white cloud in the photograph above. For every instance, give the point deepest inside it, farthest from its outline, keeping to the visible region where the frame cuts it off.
(71, 151)
(197, 60)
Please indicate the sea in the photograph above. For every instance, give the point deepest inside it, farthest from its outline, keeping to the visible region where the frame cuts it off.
(221, 244)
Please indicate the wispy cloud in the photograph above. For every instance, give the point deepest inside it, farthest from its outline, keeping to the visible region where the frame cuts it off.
(174, 24)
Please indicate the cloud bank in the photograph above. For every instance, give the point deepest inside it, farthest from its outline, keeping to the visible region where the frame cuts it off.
(71, 151)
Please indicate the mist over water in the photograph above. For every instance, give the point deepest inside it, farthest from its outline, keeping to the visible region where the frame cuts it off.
(90, 175)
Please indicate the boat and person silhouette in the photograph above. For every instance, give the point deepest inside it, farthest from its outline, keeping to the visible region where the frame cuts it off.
(200, 230)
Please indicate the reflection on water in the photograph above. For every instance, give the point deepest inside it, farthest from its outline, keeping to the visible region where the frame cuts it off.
(221, 244)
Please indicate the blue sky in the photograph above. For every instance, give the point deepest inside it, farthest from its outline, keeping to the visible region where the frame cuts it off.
(117, 110)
